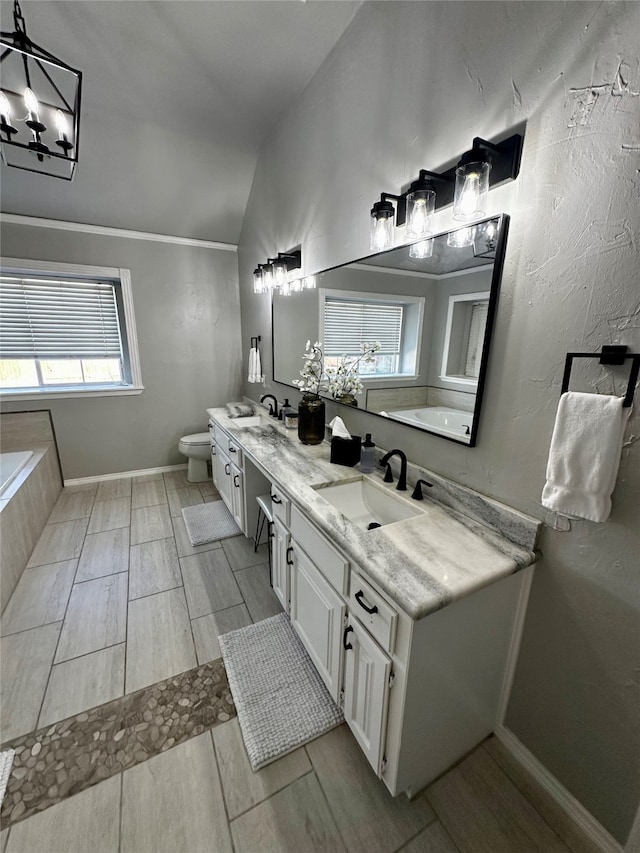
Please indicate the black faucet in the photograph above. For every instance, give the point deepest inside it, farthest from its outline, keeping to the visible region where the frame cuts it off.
(402, 480)
(417, 492)
(273, 410)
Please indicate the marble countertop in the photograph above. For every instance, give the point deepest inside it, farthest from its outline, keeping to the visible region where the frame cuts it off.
(423, 563)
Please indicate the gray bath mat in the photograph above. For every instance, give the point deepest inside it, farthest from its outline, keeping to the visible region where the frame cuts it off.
(209, 522)
(6, 760)
(280, 699)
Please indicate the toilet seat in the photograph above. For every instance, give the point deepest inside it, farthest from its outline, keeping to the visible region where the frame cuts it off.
(196, 439)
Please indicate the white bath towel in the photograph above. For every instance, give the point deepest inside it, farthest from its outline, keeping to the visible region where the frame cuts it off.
(584, 455)
(255, 366)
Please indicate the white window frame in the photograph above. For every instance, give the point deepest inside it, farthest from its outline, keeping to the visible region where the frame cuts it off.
(454, 302)
(17, 267)
(364, 296)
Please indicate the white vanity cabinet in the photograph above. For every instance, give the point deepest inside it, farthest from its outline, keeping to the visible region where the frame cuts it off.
(281, 552)
(237, 479)
(417, 695)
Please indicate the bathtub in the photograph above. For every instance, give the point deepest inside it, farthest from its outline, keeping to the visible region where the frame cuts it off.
(452, 423)
(10, 466)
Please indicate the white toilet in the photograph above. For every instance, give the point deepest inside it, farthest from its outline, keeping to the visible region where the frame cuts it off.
(197, 449)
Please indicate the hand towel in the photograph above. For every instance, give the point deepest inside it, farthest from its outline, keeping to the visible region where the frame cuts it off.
(239, 410)
(255, 366)
(584, 455)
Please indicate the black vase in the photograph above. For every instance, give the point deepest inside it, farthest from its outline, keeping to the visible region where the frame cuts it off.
(311, 419)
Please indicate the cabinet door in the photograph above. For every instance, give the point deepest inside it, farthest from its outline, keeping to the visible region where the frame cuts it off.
(237, 495)
(366, 691)
(224, 476)
(317, 614)
(280, 557)
(214, 464)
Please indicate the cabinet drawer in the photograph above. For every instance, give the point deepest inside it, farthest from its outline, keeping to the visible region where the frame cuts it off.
(228, 444)
(381, 623)
(280, 505)
(333, 565)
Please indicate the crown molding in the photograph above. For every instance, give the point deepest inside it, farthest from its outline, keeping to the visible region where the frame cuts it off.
(106, 231)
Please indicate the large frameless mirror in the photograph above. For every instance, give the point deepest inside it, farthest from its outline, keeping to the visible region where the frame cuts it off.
(424, 314)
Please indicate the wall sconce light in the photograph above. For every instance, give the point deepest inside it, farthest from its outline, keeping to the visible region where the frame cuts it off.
(485, 240)
(484, 166)
(49, 90)
(279, 274)
(461, 237)
(382, 221)
(422, 249)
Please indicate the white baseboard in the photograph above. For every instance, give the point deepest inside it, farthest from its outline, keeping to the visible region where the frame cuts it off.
(567, 802)
(98, 477)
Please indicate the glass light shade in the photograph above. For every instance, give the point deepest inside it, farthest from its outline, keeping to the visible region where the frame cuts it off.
(461, 237)
(421, 250)
(31, 102)
(381, 232)
(280, 274)
(309, 282)
(267, 276)
(420, 207)
(472, 186)
(5, 106)
(258, 281)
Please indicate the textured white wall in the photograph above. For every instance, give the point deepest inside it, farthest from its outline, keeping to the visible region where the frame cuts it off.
(407, 87)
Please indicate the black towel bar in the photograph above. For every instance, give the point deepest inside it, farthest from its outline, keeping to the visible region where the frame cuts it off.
(609, 355)
(257, 339)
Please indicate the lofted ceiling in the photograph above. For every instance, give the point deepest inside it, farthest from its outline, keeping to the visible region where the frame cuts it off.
(178, 97)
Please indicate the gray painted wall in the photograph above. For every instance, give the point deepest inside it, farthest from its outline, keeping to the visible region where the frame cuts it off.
(188, 321)
(365, 124)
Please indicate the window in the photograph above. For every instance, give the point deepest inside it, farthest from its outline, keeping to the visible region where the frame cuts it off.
(348, 319)
(464, 339)
(66, 332)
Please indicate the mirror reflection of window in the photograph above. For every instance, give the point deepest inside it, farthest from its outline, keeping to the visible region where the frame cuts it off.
(350, 319)
(464, 337)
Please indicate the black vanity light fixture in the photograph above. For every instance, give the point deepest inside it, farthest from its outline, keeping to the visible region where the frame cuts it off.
(485, 165)
(282, 274)
(39, 106)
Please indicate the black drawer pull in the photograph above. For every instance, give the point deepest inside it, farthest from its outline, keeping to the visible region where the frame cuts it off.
(276, 499)
(227, 469)
(232, 449)
(345, 644)
(236, 481)
(359, 597)
(289, 553)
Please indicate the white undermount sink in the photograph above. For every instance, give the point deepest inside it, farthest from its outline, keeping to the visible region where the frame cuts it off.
(365, 503)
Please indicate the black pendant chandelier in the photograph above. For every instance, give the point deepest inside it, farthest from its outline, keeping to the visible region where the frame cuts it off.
(39, 106)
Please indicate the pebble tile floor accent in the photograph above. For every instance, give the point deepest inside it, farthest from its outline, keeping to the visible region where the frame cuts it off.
(58, 761)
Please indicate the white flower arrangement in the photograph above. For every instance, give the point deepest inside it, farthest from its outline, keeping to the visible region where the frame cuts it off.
(312, 372)
(345, 379)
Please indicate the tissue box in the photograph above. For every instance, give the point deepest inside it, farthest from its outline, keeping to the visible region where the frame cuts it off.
(345, 451)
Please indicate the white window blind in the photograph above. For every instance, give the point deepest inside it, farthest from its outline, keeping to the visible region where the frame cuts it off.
(49, 319)
(347, 324)
(479, 312)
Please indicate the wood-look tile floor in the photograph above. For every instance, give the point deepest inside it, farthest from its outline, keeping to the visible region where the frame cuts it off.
(115, 599)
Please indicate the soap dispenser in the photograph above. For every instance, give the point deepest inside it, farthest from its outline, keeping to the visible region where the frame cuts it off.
(367, 455)
(285, 409)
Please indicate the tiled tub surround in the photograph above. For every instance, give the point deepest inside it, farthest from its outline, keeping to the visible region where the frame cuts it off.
(461, 541)
(29, 498)
(24, 508)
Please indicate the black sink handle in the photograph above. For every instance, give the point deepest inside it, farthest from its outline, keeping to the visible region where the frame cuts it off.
(359, 596)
